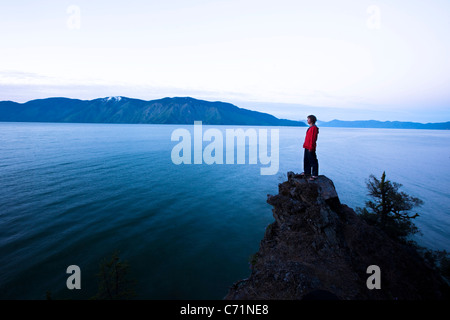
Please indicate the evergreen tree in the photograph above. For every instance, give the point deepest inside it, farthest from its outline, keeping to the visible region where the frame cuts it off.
(390, 208)
(113, 280)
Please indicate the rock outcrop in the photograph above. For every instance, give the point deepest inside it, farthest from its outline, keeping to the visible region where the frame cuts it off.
(318, 248)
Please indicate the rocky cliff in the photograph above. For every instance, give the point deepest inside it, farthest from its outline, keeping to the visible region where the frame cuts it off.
(318, 248)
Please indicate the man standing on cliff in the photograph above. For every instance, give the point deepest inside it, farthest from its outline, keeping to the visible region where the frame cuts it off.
(310, 162)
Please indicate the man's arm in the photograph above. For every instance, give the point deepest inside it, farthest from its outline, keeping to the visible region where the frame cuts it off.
(314, 133)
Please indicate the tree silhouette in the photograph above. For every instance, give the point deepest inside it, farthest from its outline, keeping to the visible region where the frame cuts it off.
(113, 280)
(390, 208)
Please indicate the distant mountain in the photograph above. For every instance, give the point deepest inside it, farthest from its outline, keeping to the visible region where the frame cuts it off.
(385, 124)
(126, 110)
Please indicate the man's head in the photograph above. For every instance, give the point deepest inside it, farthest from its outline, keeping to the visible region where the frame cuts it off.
(311, 119)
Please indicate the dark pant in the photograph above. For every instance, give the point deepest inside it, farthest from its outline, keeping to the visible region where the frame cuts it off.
(310, 162)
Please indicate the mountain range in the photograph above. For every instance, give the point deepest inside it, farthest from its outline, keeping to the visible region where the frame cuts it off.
(385, 124)
(177, 110)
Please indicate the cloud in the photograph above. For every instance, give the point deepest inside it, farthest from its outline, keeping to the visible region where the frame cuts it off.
(16, 77)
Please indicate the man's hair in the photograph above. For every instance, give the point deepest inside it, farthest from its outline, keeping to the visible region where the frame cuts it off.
(312, 118)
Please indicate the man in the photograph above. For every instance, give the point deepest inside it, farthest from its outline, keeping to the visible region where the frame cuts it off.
(310, 162)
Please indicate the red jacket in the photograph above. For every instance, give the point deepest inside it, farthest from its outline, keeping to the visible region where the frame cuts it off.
(311, 138)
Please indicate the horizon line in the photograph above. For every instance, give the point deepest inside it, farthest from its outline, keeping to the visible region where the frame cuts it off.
(211, 101)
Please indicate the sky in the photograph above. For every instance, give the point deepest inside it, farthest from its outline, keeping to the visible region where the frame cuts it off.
(347, 60)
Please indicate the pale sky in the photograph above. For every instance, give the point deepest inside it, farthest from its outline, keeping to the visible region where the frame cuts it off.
(350, 60)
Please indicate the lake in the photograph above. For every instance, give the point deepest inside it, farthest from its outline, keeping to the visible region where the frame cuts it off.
(72, 194)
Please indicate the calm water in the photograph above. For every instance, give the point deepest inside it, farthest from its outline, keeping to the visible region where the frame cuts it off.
(75, 193)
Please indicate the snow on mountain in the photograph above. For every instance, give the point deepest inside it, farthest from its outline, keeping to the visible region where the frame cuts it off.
(116, 98)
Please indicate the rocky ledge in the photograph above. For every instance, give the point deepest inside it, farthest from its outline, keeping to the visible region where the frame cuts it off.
(318, 248)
